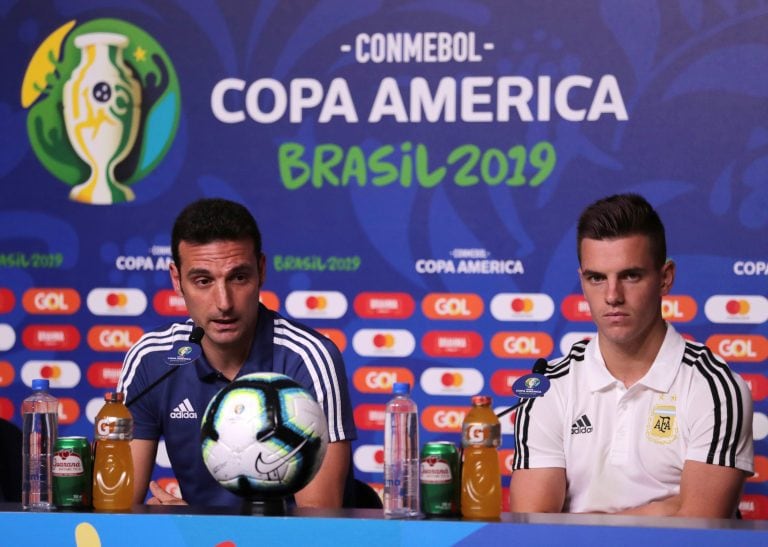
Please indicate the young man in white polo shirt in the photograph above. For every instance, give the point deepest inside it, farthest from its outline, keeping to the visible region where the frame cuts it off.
(637, 420)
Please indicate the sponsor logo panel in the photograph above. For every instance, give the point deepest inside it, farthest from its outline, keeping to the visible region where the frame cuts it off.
(336, 336)
(758, 384)
(522, 307)
(113, 301)
(60, 374)
(750, 348)
(69, 411)
(370, 417)
(452, 306)
(507, 421)
(575, 307)
(570, 338)
(380, 379)
(503, 379)
(168, 302)
(270, 300)
(747, 309)
(761, 469)
(444, 419)
(6, 408)
(506, 459)
(452, 344)
(51, 301)
(754, 506)
(383, 343)
(759, 426)
(50, 337)
(162, 459)
(104, 374)
(452, 381)
(521, 345)
(316, 304)
(7, 300)
(384, 305)
(7, 337)
(750, 267)
(113, 337)
(678, 308)
(7, 373)
(369, 458)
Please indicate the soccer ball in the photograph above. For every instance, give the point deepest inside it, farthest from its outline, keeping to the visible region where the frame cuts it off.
(263, 436)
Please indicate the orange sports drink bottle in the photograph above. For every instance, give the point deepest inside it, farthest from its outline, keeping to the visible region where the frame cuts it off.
(480, 472)
(112, 463)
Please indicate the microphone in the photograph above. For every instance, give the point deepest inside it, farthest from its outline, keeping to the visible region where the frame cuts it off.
(195, 337)
(539, 367)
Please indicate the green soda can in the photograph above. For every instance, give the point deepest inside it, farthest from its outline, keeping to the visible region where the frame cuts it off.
(439, 477)
(72, 473)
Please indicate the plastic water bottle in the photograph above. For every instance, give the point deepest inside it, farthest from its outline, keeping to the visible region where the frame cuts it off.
(401, 455)
(40, 413)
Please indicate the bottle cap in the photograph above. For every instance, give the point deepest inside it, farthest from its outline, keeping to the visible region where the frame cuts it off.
(401, 388)
(114, 397)
(481, 400)
(40, 384)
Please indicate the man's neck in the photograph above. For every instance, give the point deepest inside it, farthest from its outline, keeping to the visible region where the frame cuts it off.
(227, 360)
(629, 362)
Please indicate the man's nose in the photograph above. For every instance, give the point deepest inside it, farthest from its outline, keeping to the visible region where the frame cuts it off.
(614, 294)
(223, 297)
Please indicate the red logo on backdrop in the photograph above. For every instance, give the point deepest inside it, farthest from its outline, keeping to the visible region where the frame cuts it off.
(168, 302)
(748, 348)
(51, 301)
(678, 308)
(502, 380)
(69, 411)
(444, 418)
(336, 336)
(761, 470)
(384, 305)
(758, 384)
(754, 506)
(7, 300)
(7, 373)
(370, 417)
(113, 337)
(6, 408)
(380, 379)
(51, 337)
(104, 374)
(574, 307)
(462, 307)
(270, 300)
(452, 344)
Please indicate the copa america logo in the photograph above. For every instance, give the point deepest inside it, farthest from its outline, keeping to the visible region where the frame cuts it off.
(104, 104)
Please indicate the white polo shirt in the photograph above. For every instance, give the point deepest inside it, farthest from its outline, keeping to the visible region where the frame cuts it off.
(621, 447)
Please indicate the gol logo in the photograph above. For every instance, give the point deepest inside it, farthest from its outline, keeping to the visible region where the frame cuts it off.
(336, 336)
(168, 302)
(104, 104)
(751, 348)
(104, 374)
(7, 300)
(51, 337)
(758, 385)
(369, 417)
(452, 306)
(61, 374)
(69, 411)
(678, 309)
(270, 300)
(380, 305)
(7, 373)
(113, 337)
(444, 418)
(452, 344)
(515, 345)
(380, 379)
(51, 301)
(502, 380)
(575, 307)
(506, 459)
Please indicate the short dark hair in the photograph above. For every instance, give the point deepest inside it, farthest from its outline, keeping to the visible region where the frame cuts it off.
(214, 219)
(623, 215)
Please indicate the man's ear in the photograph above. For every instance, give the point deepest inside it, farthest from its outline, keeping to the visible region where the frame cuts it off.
(667, 276)
(175, 278)
(262, 270)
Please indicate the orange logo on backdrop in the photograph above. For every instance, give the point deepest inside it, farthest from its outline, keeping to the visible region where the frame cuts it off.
(380, 379)
(750, 348)
(336, 336)
(69, 411)
(678, 308)
(462, 307)
(506, 458)
(513, 345)
(761, 470)
(270, 300)
(7, 373)
(444, 418)
(113, 337)
(51, 301)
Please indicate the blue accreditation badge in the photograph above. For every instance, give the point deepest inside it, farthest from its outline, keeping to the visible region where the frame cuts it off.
(530, 386)
(183, 353)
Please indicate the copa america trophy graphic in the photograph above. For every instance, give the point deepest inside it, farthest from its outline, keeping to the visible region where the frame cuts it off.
(102, 106)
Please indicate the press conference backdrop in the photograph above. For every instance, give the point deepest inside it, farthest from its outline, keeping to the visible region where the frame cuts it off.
(416, 168)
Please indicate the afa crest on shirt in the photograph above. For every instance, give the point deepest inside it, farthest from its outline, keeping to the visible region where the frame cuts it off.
(662, 424)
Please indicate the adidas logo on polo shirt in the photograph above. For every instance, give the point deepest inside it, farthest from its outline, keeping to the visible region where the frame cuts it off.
(184, 410)
(582, 425)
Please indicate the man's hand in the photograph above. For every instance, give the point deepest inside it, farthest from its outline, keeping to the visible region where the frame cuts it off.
(161, 497)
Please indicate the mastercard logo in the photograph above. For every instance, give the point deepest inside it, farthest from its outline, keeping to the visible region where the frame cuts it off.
(51, 301)
(60, 374)
(50, 337)
(452, 381)
(370, 417)
(379, 305)
(751, 348)
(316, 304)
(749, 309)
(270, 300)
(116, 302)
(104, 375)
(678, 308)
(7, 373)
(369, 458)
(7, 337)
(169, 303)
(336, 336)
(575, 307)
(452, 344)
(7, 300)
(383, 343)
(522, 307)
